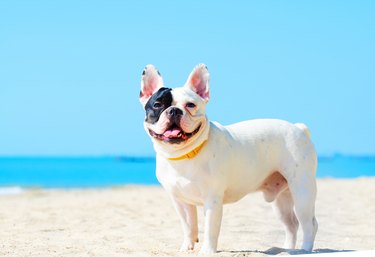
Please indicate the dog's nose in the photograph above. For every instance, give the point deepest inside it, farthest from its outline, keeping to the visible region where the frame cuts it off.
(174, 112)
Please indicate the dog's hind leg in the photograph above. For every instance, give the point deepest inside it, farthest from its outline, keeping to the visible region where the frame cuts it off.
(283, 207)
(304, 195)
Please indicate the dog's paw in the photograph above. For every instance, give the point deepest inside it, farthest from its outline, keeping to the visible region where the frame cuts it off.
(207, 250)
(187, 245)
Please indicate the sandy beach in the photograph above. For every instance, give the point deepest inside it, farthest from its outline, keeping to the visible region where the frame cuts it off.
(140, 221)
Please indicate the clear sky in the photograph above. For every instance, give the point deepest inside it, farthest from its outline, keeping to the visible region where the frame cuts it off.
(70, 70)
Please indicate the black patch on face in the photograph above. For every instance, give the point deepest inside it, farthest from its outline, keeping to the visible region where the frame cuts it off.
(157, 103)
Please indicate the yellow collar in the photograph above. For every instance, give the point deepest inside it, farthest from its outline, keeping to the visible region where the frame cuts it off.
(191, 154)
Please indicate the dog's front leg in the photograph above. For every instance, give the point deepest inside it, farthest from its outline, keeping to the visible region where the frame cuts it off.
(189, 221)
(213, 211)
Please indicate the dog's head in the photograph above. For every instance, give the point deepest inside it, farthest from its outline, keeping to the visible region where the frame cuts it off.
(176, 117)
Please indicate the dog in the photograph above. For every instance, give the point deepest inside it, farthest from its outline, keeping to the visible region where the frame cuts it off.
(202, 163)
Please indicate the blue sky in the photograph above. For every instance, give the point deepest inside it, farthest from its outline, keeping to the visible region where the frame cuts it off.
(70, 70)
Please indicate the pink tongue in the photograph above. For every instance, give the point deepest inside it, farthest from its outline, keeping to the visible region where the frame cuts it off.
(172, 133)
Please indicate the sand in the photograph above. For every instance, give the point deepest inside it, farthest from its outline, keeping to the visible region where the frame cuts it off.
(140, 221)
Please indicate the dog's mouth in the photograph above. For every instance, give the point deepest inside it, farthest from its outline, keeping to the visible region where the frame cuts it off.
(174, 134)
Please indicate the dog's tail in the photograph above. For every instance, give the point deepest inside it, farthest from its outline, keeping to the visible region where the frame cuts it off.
(304, 128)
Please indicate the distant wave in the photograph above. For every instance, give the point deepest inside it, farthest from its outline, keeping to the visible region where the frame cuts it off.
(11, 190)
(135, 158)
(337, 156)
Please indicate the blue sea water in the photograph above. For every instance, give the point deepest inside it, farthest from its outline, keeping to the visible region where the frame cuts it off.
(76, 172)
(73, 172)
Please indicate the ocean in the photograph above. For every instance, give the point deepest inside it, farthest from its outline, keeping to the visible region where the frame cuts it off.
(83, 172)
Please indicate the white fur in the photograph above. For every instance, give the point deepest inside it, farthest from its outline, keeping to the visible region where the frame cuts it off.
(272, 156)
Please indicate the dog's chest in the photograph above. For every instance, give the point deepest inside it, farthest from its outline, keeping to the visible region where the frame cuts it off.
(187, 190)
(186, 185)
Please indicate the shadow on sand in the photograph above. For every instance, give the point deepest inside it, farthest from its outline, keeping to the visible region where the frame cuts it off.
(281, 251)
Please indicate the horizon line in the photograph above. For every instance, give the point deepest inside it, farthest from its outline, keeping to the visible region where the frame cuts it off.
(137, 156)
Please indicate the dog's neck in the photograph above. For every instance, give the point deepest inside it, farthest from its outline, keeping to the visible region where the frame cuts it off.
(200, 138)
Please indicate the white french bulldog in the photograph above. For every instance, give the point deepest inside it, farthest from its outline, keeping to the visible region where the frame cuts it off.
(204, 163)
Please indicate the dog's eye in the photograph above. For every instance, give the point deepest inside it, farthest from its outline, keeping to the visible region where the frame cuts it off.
(190, 105)
(157, 105)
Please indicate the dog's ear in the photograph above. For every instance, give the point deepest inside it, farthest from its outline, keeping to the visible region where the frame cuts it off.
(198, 81)
(151, 81)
